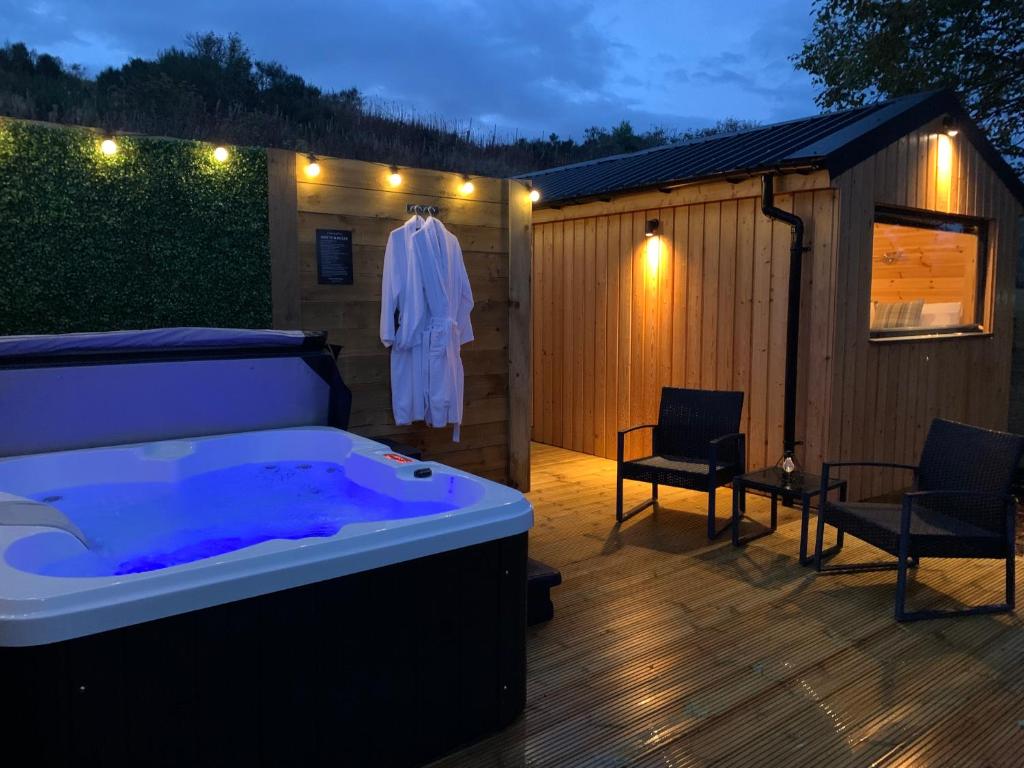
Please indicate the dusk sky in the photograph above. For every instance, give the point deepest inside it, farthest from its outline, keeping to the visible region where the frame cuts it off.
(528, 66)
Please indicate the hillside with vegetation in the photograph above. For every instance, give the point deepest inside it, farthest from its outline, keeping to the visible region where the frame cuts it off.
(213, 89)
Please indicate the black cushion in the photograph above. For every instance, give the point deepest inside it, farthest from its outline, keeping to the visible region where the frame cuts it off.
(932, 533)
(676, 471)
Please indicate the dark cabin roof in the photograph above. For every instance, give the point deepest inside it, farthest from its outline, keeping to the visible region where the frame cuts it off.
(834, 141)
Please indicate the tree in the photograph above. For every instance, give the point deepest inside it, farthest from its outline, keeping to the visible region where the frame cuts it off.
(865, 50)
(212, 73)
(728, 125)
(39, 85)
(621, 139)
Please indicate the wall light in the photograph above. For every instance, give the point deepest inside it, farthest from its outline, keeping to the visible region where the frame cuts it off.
(652, 228)
(949, 126)
(467, 187)
(108, 147)
(312, 167)
(220, 154)
(394, 178)
(534, 195)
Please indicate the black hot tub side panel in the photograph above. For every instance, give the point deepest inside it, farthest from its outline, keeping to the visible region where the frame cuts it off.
(391, 667)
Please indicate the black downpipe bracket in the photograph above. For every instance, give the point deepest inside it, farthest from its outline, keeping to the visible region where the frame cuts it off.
(796, 253)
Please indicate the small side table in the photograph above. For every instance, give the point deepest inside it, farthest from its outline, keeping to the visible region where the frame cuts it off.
(773, 481)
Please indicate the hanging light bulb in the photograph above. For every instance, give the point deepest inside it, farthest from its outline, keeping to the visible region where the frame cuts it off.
(534, 195)
(394, 178)
(220, 154)
(467, 187)
(108, 147)
(312, 167)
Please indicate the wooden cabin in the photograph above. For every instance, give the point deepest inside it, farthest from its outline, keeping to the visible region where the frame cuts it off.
(659, 268)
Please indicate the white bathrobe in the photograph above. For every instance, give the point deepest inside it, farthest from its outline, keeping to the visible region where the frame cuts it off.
(402, 297)
(449, 301)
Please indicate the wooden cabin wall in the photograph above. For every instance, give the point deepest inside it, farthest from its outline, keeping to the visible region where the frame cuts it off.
(612, 325)
(355, 196)
(885, 393)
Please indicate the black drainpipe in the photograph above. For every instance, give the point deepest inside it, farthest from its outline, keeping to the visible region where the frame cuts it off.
(796, 252)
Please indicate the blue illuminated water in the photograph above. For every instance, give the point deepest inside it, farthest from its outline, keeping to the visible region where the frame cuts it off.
(138, 527)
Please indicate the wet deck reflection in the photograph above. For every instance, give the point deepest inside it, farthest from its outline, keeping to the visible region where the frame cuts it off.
(666, 650)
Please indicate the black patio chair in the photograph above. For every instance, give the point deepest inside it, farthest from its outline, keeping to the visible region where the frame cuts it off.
(960, 505)
(697, 445)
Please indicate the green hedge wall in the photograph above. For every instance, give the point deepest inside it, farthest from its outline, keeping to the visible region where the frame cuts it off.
(158, 234)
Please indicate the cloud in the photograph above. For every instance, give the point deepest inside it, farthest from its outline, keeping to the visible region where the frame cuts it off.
(754, 74)
(530, 66)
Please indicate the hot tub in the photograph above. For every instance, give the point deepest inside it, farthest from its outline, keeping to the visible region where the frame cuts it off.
(297, 595)
(186, 524)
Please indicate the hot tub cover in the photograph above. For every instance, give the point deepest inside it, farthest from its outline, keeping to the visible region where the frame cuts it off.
(154, 340)
(83, 390)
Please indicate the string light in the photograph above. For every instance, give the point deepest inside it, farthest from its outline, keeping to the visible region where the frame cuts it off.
(108, 147)
(467, 187)
(534, 195)
(220, 154)
(312, 167)
(394, 178)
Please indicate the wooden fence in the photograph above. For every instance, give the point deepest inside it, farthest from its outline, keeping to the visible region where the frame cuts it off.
(493, 227)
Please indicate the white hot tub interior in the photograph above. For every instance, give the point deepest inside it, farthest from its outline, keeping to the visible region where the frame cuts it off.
(150, 506)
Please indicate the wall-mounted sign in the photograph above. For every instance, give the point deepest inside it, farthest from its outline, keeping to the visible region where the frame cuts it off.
(334, 256)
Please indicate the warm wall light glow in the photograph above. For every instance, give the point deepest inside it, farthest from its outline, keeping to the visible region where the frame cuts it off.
(220, 154)
(534, 195)
(653, 247)
(395, 179)
(312, 168)
(944, 169)
(467, 187)
(108, 147)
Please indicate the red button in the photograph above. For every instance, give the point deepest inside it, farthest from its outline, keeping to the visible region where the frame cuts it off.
(398, 458)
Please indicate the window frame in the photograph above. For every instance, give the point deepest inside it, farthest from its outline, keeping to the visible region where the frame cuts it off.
(937, 220)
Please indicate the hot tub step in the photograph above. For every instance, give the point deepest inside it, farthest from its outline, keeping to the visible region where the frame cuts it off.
(540, 578)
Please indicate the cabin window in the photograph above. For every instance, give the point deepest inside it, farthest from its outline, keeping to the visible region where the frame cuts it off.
(928, 275)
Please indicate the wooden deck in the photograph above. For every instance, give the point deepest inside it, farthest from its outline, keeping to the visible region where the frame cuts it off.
(666, 650)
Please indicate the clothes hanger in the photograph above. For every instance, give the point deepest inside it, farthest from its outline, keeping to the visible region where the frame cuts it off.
(423, 210)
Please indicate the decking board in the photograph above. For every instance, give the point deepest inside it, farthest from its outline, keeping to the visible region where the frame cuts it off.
(666, 649)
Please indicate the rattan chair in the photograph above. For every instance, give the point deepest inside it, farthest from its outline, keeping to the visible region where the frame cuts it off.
(960, 505)
(697, 445)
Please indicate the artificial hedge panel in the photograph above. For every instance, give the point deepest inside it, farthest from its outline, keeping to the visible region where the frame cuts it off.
(158, 234)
